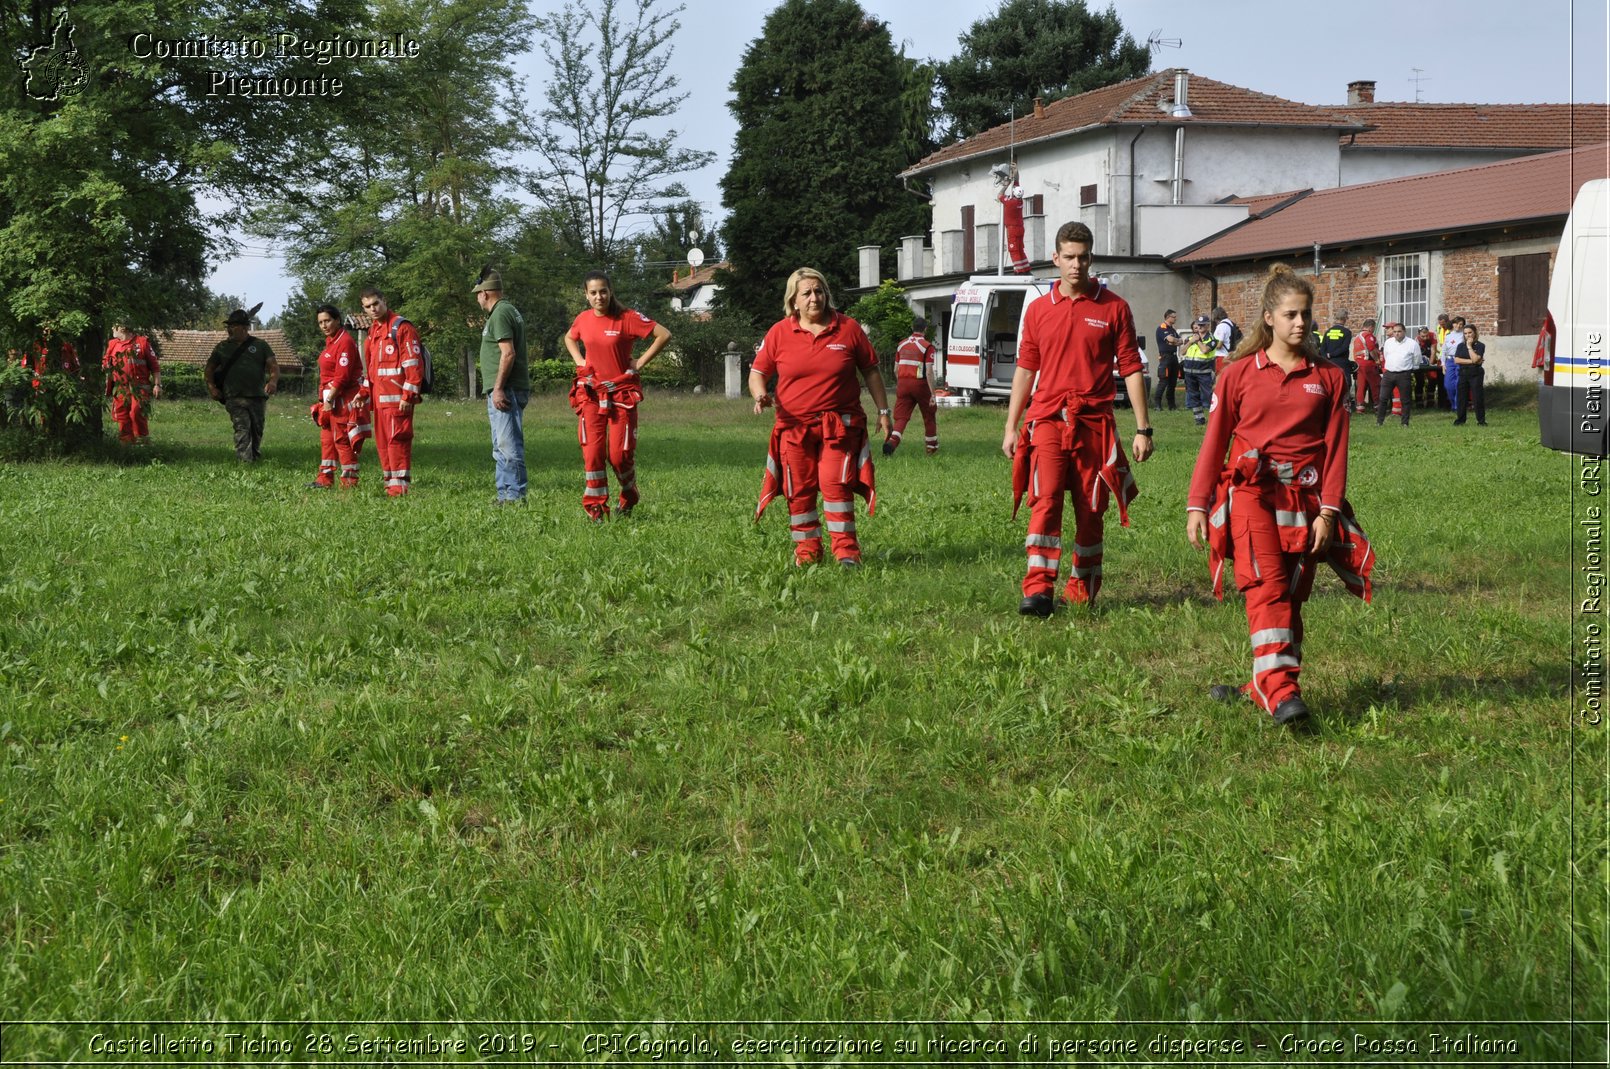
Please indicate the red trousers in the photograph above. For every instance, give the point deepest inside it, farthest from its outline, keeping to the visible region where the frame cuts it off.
(339, 443)
(1275, 583)
(914, 393)
(129, 411)
(1064, 457)
(1369, 382)
(608, 437)
(394, 441)
(812, 463)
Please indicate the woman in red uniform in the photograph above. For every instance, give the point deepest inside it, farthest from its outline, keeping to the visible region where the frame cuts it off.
(133, 378)
(819, 441)
(1277, 506)
(608, 391)
(343, 424)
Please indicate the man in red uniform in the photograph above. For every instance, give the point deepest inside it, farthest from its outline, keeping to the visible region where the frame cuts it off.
(342, 427)
(1069, 438)
(913, 366)
(395, 374)
(1011, 198)
(132, 380)
(1367, 355)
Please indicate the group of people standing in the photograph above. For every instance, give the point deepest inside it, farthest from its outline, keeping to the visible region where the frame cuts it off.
(1195, 359)
(1419, 368)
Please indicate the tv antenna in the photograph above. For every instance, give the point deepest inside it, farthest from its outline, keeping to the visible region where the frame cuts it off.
(1157, 42)
(1419, 76)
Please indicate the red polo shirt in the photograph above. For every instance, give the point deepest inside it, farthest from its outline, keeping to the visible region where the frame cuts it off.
(1071, 342)
(1297, 418)
(816, 373)
(606, 340)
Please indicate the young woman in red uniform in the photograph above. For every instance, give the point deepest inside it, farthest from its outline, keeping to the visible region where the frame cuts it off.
(608, 391)
(342, 423)
(1277, 505)
(819, 441)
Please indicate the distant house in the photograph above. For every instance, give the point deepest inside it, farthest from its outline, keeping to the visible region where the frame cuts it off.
(1477, 242)
(192, 347)
(694, 293)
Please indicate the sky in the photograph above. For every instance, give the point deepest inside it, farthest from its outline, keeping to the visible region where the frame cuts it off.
(1481, 51)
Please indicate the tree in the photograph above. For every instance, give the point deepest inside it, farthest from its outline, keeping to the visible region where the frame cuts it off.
(818, 99)
(106, 149)
(886, 318)
(602, 165)
(410, 189)
(1033, 48)
(672, 236)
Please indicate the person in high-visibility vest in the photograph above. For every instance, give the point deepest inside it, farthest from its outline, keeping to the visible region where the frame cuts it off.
(1269, 490)
(913, 369)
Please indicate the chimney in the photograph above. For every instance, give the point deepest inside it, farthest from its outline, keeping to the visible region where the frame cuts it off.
(1182, 83)
(1039, 108)
(1361, 92)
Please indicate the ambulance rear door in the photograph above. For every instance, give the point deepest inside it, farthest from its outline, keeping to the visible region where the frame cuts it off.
(964, 347)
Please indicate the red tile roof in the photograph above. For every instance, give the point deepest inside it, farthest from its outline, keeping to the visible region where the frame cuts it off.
(194, 346)
(1506, 126)
(1266, 203)
(1528, 189)
(699, 276)
(1212, 103)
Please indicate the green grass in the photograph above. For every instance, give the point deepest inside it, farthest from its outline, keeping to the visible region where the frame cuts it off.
(273, 753)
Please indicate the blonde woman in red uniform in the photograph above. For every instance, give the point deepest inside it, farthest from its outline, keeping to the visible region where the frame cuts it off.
(819, 441)
(1269, 489)
(343, 424)
(608, 391)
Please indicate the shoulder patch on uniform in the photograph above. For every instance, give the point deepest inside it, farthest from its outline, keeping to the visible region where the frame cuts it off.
(342, 361)
(1213, 405)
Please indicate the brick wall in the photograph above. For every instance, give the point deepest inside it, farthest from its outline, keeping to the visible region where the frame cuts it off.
(1469, 282)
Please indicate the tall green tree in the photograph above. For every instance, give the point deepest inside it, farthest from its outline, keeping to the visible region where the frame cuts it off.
(409, 189)
(605, 159)
(1033, 48)
(107, 149)
(818, 99)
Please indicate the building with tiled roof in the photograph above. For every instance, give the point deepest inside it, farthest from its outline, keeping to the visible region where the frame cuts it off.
(1444, 137)
(1477, 241)
(194, 346)
(694, 293)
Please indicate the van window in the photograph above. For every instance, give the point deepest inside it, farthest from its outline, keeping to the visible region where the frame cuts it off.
(966, 321)
(1007, 313)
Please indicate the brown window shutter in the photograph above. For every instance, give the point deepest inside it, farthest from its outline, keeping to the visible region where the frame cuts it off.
(1037, 204)
(1523, 287)
(967, 238)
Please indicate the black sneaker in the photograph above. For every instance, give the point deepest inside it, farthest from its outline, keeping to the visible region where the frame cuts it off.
(1291, 711)
(888, 447)
(1224, 692)
(849, 564)
(1039, 605)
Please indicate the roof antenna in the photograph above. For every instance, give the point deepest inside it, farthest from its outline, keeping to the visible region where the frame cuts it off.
(1157, 42)
(1419, 76)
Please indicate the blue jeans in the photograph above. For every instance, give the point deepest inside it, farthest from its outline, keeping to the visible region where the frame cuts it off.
(508, 445)
(1198, 390)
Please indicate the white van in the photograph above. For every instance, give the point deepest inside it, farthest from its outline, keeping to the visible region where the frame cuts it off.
(986, 320)
(1573, 400)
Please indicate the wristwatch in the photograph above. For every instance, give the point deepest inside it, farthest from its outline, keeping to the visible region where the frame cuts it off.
(1144, 432)
(883, 411)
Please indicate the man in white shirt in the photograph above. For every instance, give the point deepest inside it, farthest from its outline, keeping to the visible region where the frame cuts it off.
(1222, 333)
(1400, 355)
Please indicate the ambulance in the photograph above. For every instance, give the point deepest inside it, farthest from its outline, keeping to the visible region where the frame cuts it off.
(1573, 398)
(986, 321)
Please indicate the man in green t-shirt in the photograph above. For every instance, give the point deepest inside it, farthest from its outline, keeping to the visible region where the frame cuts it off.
(507, 380)
(242, 374)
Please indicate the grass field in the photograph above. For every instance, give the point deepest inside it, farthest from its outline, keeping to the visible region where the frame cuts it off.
(280, 754)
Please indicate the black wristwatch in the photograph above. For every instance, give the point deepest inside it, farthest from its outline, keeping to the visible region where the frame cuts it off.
(1145, 432)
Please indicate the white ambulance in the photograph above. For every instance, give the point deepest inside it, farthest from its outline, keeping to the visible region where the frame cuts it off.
(1573, 399)
(986, 320)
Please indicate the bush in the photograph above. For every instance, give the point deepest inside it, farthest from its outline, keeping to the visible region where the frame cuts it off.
(56, 406)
